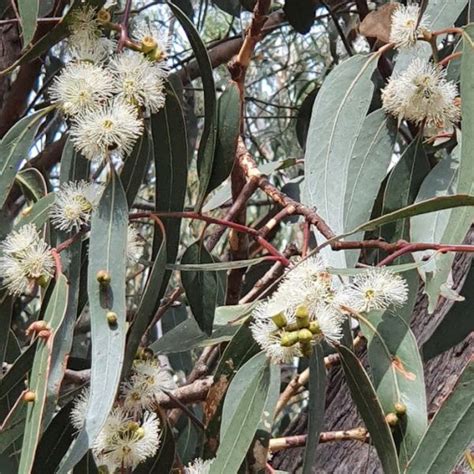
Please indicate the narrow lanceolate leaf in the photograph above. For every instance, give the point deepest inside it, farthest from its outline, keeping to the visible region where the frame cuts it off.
(402, 187)
(397, 372)
(39, 375)
(460, 219)
(59, 32)
(338, 114)
(243, 409)
(170, 154)
(204, 290)
(450, 432)
(28, 10)
(366, 400)
(6, 309)
(367, 169)
(107, 252)
(14, 148)
(135, 167)
(316, 406)
(202, 267)
(228, 128)
(38, 214)
(207, 144)
(74, 166)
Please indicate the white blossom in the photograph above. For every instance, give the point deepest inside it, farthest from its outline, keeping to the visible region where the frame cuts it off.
(84, 22)
(81, 87)
(125, 443)
(26, 259)
(375, 289)
(405, 28)
(145, 34)
(198, 466)
(138, 80)
(147, 380)
(422, 93)
(135, 244)
(73, 205)
(79, 410)
(114, 126)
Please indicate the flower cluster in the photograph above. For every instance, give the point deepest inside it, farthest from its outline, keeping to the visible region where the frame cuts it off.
(26, 260)
(421, 94)
(132, 431)
(105, 95)
(407, 26)
(307, 307)
(198, 466)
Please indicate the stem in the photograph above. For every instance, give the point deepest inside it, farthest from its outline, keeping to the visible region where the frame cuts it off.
(450, 57)
(57, 262)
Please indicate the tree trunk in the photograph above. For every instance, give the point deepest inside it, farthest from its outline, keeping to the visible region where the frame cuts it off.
(441, 374)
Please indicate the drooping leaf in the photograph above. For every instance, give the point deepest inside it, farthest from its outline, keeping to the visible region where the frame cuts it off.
(300, 14)
(38, 214)
(28, 10)
(38, 380)
(207, 143)
(204, 290)
(215, 266)
(32, 184)
(455, 326)
(135, 167)
(316, 406)
(338, 115)
(74, 166)
(15, 146)
(107, 252)
(241, 414)
(366, 400)
(304, 117)
(450, 432)
(397, 371)
(228, 128)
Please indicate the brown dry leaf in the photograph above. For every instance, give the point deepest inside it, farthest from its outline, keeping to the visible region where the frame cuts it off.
(377, 24)
(400, 368)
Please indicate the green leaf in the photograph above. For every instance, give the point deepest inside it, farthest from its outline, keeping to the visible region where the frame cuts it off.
(397, 371)
(74, 166)
(39, 375)
(207, 143)
(367, 169)
(55, 441)
(32, 184)
(402, 187)
(402, 268)
(460, 219)
(364, 396)
(316, 406)
(216, 266)
(107, 252)
(135, 167)
(14, 148)
(241, 348)
(39, 212)
(187, 335)
(228, 128)
(204, 290)
(241, 414)
(86, 465)
(170, 155)
(28, 10)
(6, 311)
(455, 326)
(59, 32)
(338, 115)
(450, 432)
(300, 14)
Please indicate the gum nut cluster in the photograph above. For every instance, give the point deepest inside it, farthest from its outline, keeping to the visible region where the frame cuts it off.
(25, 260)
(421, 94)
(132, 431)
(73, 205)
(307, 308)
(407, 26)
(198, 466)
(105, 95)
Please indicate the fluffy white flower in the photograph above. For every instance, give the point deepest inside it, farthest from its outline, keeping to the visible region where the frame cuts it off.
(405, 27)
(146, 381)
(26, 260)
(377, 288)
(125, 443)
(422, 93)
(84, 22)
(329, 320)
(138, 81)
(81, 87)
(135, 245)
(79, 410)
(73, 204)
(114, 126)
(152, 39)
(198, 466)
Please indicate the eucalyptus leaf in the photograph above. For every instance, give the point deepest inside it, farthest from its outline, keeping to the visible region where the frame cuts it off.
(28, 10)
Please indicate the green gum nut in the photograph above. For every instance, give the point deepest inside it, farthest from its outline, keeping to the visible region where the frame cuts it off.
(314, 327)
(288, 339)
(279, 319)
(302, 316)
(305, 335)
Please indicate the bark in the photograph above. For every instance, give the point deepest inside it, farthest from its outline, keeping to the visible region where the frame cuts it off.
(441, 374)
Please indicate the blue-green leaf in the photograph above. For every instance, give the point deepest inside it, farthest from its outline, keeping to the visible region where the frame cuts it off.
(28, 10)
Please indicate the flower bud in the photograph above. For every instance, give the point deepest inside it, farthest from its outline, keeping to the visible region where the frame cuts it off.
(280, 320)
(103, 277)
(314, 327)
(43, 281)
(305, 335)
(302, 316)
(400, 408)
(391, 419)
(29, 396)
(103, 16)
(148, 44)
(288, 339)
(111, 318)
